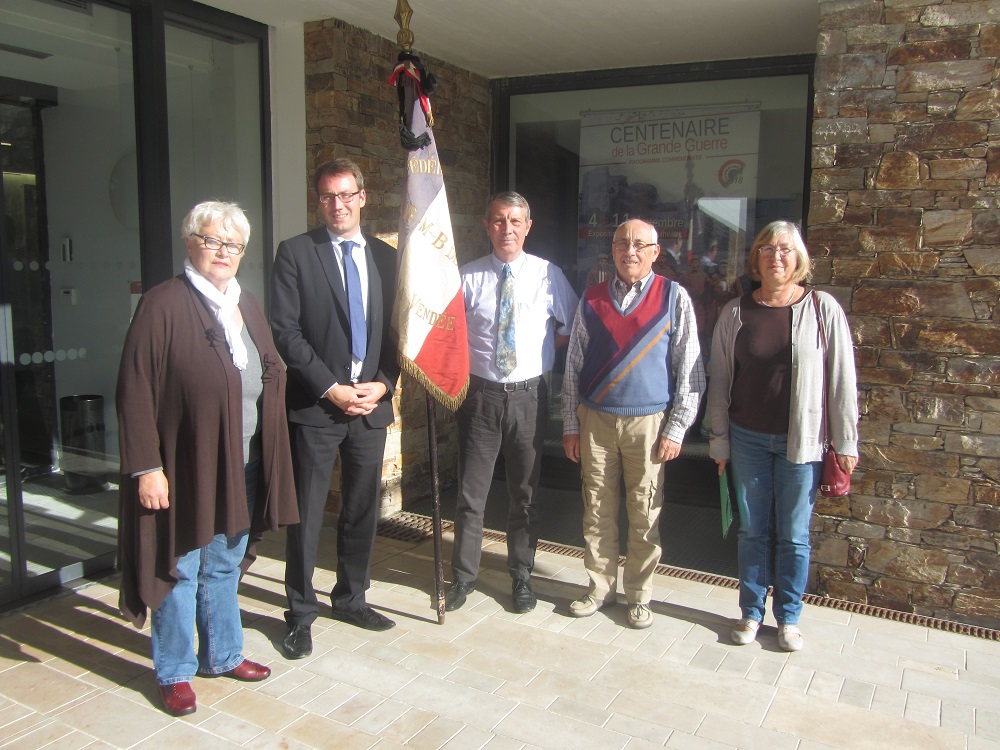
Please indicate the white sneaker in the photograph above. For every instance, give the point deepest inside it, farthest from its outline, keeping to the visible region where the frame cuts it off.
(745, 631)
(790, 638)
(639, 616)
(587, 605)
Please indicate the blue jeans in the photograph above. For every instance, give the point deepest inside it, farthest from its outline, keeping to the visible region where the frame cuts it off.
(776, 499)
(203, 598)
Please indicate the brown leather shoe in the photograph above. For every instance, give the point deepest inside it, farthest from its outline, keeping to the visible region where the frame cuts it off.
(178, 699)
(248, 671)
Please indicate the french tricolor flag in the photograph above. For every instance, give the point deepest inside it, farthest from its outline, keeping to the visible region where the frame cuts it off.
(429, 313)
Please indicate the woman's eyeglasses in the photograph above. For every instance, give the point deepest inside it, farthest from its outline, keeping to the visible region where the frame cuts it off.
(779, 250)
(214, 243)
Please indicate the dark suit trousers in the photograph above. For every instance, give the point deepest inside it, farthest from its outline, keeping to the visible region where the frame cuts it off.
(314, 452)
(490, 422)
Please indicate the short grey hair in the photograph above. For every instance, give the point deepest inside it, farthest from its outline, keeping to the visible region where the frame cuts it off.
(652, 229)
(509, 198)
(230, 215)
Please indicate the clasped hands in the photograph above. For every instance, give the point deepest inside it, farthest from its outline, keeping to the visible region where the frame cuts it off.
(357, 399)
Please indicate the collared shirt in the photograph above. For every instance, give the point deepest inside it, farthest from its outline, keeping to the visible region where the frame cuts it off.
(361, 261)
(544, 304)
(685, 363)
(625, 294)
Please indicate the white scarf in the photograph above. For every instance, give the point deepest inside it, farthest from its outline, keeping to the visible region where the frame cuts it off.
(223, 305)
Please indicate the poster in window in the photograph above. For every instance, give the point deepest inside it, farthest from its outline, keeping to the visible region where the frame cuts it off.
(689, 171)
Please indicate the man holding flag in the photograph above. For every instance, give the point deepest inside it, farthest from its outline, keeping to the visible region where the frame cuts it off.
(519, 309)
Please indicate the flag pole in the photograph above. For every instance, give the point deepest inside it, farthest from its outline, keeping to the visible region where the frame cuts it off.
(436, 512)
(405, 40)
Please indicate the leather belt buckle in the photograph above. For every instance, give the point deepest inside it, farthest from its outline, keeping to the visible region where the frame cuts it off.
(509, 387)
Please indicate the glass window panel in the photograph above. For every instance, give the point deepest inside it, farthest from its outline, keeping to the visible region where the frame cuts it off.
(213, 85)
(708, 163)
(72, 205)
(546, 164)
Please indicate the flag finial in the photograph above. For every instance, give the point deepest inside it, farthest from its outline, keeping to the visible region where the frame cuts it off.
(403, 13)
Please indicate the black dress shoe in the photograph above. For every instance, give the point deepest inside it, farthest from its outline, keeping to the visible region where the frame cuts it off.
(366, 618)
(524, 597)
(298, 642)
(455, 596)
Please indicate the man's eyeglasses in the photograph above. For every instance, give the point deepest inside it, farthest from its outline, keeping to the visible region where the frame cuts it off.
(639, 245)
(780, 250)
(327, 198)
(214, 243)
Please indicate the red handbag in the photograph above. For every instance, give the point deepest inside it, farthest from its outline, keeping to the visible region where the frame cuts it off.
(834, 481)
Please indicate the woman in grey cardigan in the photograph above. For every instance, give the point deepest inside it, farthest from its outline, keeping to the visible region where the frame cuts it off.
(766, 408)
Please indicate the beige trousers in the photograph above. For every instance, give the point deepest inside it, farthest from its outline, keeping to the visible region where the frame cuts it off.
(612, 447)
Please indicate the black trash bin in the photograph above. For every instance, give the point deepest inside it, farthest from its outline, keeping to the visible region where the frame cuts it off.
(83, 463)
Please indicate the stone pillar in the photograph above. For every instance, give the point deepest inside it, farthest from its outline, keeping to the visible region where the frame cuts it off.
(904, 226)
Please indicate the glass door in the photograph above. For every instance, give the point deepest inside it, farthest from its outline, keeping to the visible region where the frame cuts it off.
(74, 252)
(69, 258)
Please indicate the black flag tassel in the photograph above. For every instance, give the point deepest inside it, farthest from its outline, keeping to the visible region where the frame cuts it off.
(425, 83)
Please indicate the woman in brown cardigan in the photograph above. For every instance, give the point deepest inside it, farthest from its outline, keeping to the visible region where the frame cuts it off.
(205, 460)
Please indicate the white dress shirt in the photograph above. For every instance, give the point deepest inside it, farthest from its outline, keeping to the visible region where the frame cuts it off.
(544, 304)
(361, 261)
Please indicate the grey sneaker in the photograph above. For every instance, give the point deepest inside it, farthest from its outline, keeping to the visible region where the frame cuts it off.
(639, 616)
(586, 605)
(744, 632)
(790, 638)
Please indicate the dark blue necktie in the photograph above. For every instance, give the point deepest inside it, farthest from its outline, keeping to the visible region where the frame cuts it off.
(355, 303)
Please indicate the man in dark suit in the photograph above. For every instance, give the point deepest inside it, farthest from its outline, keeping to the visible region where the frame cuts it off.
(669, 263)
(327, 283)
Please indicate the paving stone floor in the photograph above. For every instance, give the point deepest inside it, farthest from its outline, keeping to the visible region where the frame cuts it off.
(73, 674)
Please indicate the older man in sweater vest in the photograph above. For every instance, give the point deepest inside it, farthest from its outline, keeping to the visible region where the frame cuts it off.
(634, 377)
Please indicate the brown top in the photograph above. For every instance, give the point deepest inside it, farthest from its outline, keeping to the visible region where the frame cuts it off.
(180, 406)
(762, 379)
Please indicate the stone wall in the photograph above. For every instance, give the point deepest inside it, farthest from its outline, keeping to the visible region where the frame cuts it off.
(352, 111)
(904, 224)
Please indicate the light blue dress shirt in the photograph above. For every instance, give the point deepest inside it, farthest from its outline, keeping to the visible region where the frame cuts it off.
(544, 304)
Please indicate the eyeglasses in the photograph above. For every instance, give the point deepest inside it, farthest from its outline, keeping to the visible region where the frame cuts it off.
(639, 245)
(214, 243)
(780, 250)
(327, 198)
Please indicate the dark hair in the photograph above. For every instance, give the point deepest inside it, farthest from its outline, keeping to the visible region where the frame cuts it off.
(336, 167)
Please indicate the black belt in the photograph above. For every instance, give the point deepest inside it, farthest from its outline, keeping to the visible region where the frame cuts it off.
(521, 385)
